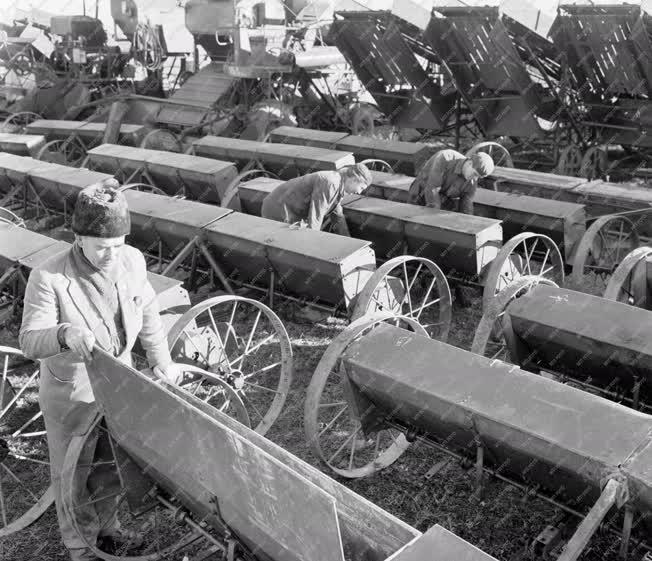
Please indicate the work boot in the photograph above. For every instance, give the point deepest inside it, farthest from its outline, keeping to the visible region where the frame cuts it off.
(82, 554)
(119, 541)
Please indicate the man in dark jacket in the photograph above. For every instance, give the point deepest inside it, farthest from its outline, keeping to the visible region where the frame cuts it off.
(313, 197)
(448, 180)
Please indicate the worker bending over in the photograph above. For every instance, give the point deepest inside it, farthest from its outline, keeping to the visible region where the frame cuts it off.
(448, 180)
(313, 197)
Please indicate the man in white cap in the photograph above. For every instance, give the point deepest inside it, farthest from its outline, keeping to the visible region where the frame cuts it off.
(448, 180)
(313, 197)
(97, 293)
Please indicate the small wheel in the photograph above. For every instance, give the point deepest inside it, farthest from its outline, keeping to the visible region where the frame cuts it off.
(603, 245)
(490, 336)
(526, 254)
(409, 286)
(378, 165)
(161, 139)
(25, 491)
(244, 343)
(499, 154)
(570, 161)
(336, 436)
(8, 216)
(149, 531)
(629, 283)
(16, 122)
(145, 187)
(68, 152)
(594, 163)
(231, 194)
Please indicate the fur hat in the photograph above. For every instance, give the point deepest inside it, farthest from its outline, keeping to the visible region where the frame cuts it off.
(359, 171)
(101, 211)
(482, 163)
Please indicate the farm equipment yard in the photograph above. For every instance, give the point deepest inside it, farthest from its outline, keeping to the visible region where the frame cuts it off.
(388, 295)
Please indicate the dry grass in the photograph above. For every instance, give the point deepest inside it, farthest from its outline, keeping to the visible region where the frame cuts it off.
(502, 523)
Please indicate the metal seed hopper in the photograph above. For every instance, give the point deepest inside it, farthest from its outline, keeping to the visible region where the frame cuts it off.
(68, 141)
(376, 390)
(242, 498)
(599, 344)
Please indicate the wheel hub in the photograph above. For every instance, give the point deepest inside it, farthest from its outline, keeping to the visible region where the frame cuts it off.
(236, 380)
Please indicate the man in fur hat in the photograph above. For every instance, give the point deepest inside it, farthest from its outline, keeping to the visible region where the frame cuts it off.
(316, 196)
(448, 180)
(97, 293)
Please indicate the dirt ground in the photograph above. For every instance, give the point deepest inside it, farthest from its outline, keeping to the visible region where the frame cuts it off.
(502, 523)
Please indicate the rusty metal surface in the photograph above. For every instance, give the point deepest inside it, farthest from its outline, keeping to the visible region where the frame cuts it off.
(264, 502)
(601, 339)
(53, 129)
(202, 179)
(527, 423)
(281, 158)
(306, 262)
(438, 544)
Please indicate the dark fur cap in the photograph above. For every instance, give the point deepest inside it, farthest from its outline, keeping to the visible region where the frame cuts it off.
(101, 211)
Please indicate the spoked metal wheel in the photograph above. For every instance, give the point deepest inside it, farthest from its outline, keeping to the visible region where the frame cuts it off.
(629, 283)
(101, 482)
(334, 433)
(526, 254)
(25, 491)
(499, 154)
(606, 242)
(68, 152)
(378, 165)
(16, 122)
(409, 286)
(161, 139)
(145, 187)
(7, 215)
(491, 336)
(231, 194)
(243, 342)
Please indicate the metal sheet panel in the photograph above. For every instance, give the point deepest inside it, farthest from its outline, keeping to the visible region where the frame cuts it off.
(18, 243)
(204, 179)
(529, 424)
(260, 499)
(312, 264)
(639, 475)
(53, 129)
(585, 336)
(456, 242)
(306, 137)
(21, 144)
(174, 221)
(438, 544)
(284, 159)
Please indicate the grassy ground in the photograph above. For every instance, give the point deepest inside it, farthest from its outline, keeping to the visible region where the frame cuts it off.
(502, 523)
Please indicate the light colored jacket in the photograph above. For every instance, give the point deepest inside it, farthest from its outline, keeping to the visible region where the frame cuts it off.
(311, 198)
(441, 177)
(54, 297)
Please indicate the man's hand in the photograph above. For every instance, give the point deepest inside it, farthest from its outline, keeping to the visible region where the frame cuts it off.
(172, 373)
(79, 340)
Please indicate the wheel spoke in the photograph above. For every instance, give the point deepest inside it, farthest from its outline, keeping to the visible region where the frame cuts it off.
(425, 299)
(270, 390)
(15, 478)
(346, 443)
(333, 420)
(253, 405)
(19, 393)
(262, 370)
(253, 349)
(3, 509)
(20, 430)
(408, 286)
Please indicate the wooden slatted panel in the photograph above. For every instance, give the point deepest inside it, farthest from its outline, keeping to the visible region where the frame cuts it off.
(281, 513)
(527, 423)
